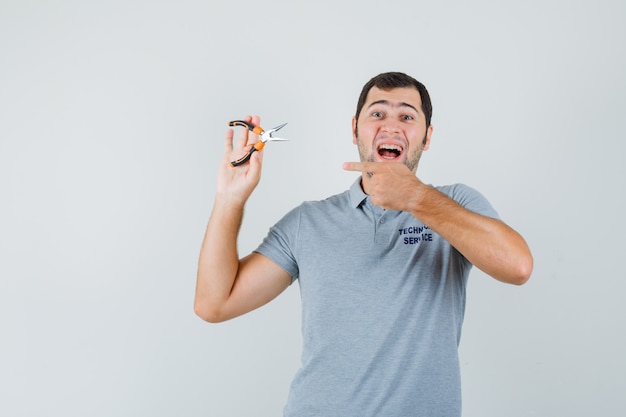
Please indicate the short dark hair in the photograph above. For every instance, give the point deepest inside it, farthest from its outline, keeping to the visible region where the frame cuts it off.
(390, 80)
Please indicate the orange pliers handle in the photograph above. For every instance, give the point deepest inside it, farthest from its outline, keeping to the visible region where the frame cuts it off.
(255, 129)
(256, 147)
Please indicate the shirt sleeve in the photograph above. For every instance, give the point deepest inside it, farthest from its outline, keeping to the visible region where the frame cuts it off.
(470, 199)
(280, 243)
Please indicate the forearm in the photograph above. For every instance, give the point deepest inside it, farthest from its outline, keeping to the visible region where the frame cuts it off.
(219, 259)
(487, 243)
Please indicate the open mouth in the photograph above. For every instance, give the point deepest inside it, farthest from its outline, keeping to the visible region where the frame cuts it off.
(389, 151)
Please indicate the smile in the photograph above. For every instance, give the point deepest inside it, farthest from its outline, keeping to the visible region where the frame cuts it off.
(389, 151)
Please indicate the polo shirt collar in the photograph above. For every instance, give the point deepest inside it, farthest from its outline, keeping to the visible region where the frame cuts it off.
(357, 195)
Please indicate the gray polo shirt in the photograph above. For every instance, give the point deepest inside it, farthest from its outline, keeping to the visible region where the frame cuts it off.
(383, 299)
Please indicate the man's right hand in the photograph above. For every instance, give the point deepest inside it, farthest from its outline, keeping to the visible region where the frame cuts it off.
(235, 184)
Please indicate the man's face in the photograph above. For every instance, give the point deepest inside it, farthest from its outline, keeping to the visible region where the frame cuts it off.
(392, 127)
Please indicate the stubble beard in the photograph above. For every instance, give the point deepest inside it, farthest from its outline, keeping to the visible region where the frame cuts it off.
(411, 161)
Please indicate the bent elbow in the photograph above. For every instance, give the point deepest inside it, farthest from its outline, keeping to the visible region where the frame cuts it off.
(207, 314)
(523, 271)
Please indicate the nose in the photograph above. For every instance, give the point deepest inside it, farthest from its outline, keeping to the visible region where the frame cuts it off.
(390, 125)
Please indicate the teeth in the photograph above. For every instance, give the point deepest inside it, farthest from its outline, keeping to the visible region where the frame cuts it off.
(390, 147)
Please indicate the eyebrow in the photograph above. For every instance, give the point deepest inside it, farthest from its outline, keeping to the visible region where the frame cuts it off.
(387, 103)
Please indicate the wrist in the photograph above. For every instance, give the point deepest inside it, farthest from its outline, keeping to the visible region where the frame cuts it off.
(419, 199)
(228, 201)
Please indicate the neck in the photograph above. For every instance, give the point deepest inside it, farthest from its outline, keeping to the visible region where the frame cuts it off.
(365, 183)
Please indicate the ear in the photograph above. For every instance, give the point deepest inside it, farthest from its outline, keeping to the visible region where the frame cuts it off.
(429, 133)
(354, 130)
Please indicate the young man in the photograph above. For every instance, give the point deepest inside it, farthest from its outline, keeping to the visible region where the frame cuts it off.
(382, 311)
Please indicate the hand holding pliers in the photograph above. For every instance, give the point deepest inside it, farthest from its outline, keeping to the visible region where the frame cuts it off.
(264, 136)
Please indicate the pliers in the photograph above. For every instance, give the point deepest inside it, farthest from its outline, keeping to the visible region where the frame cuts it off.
(265, 136)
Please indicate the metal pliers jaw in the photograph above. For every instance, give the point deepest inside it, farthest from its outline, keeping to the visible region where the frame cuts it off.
(264, 136)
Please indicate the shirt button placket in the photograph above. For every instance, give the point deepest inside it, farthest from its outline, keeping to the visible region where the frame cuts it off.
(379, 226)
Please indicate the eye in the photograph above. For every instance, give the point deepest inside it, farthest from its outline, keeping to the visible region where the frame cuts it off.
(408, 117)
(377, 114)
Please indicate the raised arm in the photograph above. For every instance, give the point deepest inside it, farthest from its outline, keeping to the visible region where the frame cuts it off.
(487, 243)
(227, 286)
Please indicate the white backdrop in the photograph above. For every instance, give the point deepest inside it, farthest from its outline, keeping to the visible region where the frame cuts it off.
(112, 117)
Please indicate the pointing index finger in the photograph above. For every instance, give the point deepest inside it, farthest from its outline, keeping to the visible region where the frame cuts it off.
(359, 166)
